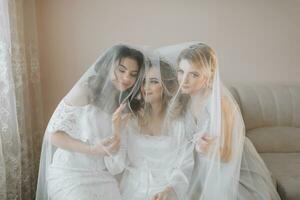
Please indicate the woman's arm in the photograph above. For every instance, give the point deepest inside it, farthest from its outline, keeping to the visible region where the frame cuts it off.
(79, 96)
(115, 164)
(62, 140)
(227, 121)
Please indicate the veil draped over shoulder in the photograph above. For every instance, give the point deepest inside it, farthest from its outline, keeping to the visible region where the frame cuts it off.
(80, 136)
(227, 165)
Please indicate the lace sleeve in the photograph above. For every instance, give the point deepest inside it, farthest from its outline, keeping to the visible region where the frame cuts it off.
(65, 118)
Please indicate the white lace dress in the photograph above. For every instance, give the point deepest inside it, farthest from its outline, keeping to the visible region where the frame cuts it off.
(76, 176)
(155, 162)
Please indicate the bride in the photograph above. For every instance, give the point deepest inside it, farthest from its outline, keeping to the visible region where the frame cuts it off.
(83, 132)
(159, 162)
(227, 165)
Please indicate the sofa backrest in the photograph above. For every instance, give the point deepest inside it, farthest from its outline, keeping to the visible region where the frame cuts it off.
(266, 105)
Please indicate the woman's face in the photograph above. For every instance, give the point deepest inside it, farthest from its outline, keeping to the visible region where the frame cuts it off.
(190, 78)
(126, 73)
(152, 88)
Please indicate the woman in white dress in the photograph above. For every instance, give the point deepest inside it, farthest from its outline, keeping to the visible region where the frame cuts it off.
(159, 161)
(83, 131)
(227, 165)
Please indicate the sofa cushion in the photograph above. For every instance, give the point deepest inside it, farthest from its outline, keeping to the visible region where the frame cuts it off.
(268, 105)
(285, 167)
(275, 139)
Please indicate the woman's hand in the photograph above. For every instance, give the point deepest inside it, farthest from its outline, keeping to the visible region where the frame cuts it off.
(98, 147)
(117, 119)
(106, 146)
(111, 145)
(204, 144)
(114, 146)
(166, 194)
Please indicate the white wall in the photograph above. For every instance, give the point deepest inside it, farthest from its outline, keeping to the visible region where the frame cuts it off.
(256, 40)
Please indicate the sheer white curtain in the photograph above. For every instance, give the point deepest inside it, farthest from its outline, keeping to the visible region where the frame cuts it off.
(20, 100)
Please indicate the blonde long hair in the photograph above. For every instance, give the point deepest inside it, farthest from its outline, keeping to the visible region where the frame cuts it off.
(204, 57)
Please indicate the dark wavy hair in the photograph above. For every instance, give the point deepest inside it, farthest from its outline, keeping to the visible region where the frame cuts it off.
(102, 67)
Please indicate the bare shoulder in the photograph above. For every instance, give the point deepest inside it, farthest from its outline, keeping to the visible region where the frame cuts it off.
(80, 95)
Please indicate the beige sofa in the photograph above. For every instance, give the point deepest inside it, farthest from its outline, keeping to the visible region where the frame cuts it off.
(272, 120)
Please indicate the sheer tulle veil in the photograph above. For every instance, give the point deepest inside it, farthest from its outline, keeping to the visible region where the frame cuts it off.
(99, 90)
(211, 115)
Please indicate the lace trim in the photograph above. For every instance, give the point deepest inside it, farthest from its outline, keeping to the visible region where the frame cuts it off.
(66, 118)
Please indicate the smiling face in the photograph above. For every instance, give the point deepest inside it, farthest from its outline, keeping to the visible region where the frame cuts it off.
(190, 77)
(152, 87)
(125, 73)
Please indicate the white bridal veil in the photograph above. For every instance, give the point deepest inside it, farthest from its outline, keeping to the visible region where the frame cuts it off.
(197, 147)
(84, 119)
(229, 166)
